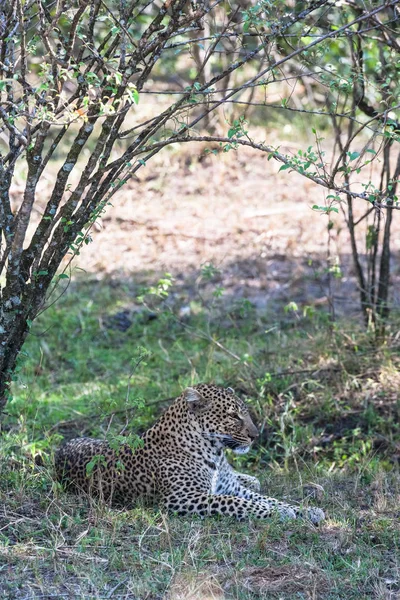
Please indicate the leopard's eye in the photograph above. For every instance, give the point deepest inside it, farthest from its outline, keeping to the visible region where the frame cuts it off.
(237, 416)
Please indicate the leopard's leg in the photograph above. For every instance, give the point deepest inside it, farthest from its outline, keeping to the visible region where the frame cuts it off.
(232, 487)
(232, 506)
(248, 481)
(226, 474)
(313, 513)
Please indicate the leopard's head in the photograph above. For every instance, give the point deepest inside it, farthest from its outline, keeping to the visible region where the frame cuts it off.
(222, 416)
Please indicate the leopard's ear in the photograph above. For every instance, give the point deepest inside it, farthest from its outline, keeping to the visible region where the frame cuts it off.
(230, 390)
(195, 401)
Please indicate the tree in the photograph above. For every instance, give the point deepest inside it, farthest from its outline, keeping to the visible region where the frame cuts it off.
(72, 73)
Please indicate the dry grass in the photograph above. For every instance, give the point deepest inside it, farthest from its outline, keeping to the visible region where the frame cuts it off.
(58, 546)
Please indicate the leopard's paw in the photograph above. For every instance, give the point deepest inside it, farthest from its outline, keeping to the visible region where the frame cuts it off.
(314, 514)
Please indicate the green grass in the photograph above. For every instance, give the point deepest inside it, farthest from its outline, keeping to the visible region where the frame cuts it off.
(55, 544)
(327, 403)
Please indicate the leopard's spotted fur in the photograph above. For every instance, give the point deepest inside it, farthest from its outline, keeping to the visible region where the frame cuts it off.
(182, 462)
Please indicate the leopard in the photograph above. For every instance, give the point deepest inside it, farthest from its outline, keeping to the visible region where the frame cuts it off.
(180, 463)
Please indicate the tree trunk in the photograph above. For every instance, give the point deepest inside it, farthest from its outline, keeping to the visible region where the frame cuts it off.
(12, 343)
(384, 268)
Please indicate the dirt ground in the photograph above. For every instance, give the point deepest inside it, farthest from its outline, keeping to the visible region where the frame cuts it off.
(187, 209)
(237, 212)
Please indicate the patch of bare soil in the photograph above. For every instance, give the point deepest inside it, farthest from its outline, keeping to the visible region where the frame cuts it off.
(262, 581)
(236, 211)
(195, 586)
(287, 579)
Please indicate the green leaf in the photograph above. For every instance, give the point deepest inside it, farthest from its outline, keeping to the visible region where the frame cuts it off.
(325, 209)
(291, 307)
(136, 96)
(284, 167)
(353, 155)
(99, 458)
(133, 93)
(63, 276)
